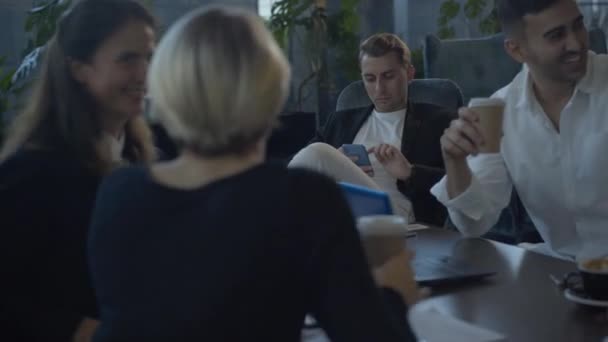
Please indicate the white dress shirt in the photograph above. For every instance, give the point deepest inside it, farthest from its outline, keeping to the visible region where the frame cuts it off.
(561, 177)
(386, 128)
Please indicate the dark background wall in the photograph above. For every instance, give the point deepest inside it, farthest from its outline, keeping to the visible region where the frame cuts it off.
(410, 19)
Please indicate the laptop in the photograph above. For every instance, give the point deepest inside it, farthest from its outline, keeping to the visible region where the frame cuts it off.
(446, 270)
(429, 271)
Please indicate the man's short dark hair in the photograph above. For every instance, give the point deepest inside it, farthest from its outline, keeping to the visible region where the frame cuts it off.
(381, 44)
(511, 13)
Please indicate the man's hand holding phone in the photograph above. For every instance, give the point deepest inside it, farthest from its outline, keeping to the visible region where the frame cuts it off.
(359, 155)
(393, 161)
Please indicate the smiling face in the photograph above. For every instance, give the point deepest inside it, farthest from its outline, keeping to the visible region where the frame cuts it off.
(554, 43)
(386, 80)
(116, 74)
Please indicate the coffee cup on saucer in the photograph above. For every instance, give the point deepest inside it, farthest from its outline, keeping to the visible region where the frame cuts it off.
(594, 276)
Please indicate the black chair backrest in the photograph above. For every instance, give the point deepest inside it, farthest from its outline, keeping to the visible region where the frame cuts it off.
(441, 92)
(295, 131)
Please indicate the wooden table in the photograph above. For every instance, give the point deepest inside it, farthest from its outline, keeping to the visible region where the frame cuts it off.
(520, 301)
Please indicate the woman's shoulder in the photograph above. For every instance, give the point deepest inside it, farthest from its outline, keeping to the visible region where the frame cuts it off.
(28, 159)
(124, 178)
(276, 172)
(305, 178)
(302, 186)
(122, 191)
(302, 179)
(33, 165)
(311, 189)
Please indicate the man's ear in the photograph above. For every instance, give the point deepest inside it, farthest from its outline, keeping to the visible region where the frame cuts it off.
(411, 72)
(514, 49)
(78, 69)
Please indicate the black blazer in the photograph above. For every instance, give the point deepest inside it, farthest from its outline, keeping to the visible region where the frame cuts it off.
(424, 125)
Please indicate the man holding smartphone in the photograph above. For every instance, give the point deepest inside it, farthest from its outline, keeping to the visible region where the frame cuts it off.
(401, 138)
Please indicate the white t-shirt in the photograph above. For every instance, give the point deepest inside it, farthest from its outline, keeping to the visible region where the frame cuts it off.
(386, 128)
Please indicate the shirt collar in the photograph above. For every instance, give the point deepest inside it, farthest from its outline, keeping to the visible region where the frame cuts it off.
(390, 116)
(527, 97)
(587, 83)
(114, 145)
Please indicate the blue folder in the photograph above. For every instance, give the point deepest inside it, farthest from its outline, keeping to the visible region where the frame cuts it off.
(364, 201)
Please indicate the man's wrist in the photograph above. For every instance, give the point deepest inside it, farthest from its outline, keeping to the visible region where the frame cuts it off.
(410, 174)
(406, 177)
(455, 164)
(458, 178)
(451, 160)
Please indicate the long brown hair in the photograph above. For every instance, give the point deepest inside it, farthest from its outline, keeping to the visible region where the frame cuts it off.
(60, 113)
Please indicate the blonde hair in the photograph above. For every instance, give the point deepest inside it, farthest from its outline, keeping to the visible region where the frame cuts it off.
(218, 80)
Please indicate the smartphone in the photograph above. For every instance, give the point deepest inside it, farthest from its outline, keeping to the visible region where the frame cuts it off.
(358, 151)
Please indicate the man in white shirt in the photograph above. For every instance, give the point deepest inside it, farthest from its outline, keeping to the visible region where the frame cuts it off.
(402, 137)
(555, 136)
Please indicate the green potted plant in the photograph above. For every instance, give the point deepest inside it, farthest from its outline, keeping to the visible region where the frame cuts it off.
(40, 25)
(481, 12)
(6, 76)
(322, 35)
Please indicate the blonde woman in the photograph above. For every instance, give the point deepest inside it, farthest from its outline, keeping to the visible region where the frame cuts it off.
(83, 118)
(218, 245)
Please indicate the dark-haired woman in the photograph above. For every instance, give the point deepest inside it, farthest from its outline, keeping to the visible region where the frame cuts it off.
(82, 120)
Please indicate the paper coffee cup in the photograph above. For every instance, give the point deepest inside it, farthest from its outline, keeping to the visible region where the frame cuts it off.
(383, 236)
(490, 111)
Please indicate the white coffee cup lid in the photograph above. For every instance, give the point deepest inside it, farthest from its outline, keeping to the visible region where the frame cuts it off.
(380, 225)
(485, 102)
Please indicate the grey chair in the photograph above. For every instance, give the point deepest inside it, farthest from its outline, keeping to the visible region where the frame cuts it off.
(597, 41)
(480, 66)
(440, 92)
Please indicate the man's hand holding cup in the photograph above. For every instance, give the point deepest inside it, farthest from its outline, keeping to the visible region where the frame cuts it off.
(478, 129)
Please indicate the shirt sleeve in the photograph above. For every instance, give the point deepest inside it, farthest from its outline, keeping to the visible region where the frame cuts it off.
(348, 305)
(477, 209)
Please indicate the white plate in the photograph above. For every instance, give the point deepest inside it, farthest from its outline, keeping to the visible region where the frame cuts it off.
(574, 297)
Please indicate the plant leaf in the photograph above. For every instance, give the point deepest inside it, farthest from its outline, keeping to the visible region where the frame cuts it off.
(474, 8)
